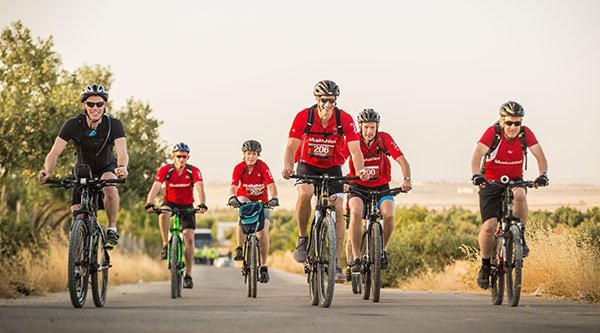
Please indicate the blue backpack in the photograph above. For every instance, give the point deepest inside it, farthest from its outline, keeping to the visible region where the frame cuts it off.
(252, 217)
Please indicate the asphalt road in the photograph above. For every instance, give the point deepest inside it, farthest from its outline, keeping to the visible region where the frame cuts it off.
(218, 303)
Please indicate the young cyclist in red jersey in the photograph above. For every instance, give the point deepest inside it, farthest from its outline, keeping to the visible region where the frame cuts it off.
(317, 145)
(181, 179)
(505, 159)
(250, 182)
(375, 146)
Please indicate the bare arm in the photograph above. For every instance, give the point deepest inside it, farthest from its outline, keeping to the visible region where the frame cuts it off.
(537, 151)
(122, 158)
(272, 188)
(288, 160)
(199, 186)
(406, 183)
(50, 162)
(233, 190)
(153, 192)
(357, 159)
(478, 154)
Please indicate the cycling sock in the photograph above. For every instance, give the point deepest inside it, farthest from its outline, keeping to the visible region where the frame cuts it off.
(112, 228)
(523, 233)
(486, 262)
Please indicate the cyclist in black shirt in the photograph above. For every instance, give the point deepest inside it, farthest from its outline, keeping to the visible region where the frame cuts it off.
(94, 134)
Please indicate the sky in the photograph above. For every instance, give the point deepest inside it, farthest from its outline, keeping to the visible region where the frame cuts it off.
(221, 72)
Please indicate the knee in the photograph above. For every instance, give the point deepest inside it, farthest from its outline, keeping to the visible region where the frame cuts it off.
(111, 192)
(489, 227)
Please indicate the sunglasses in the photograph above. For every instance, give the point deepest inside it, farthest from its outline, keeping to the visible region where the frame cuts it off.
(91, 133)
(181, 156)
(92, 104)
(324, 100)
(510, 123)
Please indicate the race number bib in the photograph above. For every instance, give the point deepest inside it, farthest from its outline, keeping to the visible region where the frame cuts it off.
(321, 150)
(373, 171)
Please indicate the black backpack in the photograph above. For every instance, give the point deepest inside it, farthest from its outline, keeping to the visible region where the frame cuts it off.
(172, 168)
(496, 142)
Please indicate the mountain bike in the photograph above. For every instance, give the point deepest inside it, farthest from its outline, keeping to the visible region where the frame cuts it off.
(507, 257)
(176, 247)
(88, 260)
(251, 221)
(371, 244)
(322, 254)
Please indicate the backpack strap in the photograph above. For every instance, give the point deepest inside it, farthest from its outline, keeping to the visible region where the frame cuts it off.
(523, 144)
(338, 119)
(311, 118)
(381, 147)
(496, 142)
(172, 169)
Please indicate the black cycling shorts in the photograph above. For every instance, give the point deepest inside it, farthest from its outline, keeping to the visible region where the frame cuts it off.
(307, 169)
(364, 199)
(76, 192)
(188, 221)
(490, 201)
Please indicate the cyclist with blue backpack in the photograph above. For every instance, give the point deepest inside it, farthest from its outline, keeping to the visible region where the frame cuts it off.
(502, 151)
(316, 142)
(250, 182)
(180, 179)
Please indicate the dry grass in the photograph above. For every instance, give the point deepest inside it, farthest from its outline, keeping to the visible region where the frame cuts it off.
(557, 266)
(37, 273)
(285, 261)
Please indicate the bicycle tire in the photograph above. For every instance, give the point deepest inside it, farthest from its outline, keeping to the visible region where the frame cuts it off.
(327, 262)
(376, 247)
(180, 266)
(173, 266)
(514, 265)
(99, 273)
(253, 266)
(366, 262)
(311, 267)
(77, 266)
(497, 272)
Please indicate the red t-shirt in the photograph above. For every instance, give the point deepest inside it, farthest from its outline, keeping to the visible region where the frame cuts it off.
(252, 185)
(178, 189)
(323, 147)
(377, 162)
(508, 157)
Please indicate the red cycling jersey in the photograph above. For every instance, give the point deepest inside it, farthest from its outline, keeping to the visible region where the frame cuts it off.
(377, 163)
(323, 147)
(252, 184)
(178, 189)
(507, 159)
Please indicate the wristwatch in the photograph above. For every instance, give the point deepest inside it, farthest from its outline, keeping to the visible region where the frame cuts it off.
(407, 178)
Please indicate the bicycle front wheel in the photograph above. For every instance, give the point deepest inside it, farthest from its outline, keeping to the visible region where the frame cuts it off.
(311, 267)
(366, 262)
(99, 273)
(376, 248)
(252, 266)
(78, 264)
(497, 272)
(514, 265)
(173, 266)
(327, 261)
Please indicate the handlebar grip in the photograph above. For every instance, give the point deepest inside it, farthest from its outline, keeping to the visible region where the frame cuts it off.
(54, 181)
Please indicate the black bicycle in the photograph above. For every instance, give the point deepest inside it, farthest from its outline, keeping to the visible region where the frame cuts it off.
(87, 256)
(251, 221)
(176, 247)
(507, 257)
(371, 244)
(322, 253)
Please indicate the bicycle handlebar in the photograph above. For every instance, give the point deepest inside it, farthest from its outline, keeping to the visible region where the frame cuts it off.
(393, 191)
(90, 182)
(512, 183)
(325, 178)
(265, 204)
(159, 211)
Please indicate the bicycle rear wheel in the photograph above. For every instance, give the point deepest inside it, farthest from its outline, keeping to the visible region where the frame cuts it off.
(327, 261)
(497, 272)
(173, 263)
(78, 264)
(99, 273)
(366, 271)
(376, 247)
(253, 266)
(514, 265)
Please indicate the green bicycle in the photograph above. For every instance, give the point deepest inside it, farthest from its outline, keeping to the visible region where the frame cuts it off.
(176, 248)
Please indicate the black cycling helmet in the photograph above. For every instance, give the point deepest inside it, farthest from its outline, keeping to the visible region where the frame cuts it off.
(326, 88)
(511, 108)
(368, 115)
(251, 145)
(180, 147)
(94, 89)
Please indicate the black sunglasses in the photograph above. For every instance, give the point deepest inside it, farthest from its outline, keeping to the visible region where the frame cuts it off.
(331, 100)
(92, 104)
(510, 123)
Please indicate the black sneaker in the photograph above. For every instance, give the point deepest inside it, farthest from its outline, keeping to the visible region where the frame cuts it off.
(525, 250)
(112, 239)
(348, 273)
(163, 252)
(483, 279)
(263, 276)
(188, 282)
(384, 260)
(356, 266)
(239, 255)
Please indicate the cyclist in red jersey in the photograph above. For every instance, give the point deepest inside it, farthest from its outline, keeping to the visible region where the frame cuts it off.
(250, 182)
(506, 159)
(375, 146)
(318, 149)
(181, 179)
